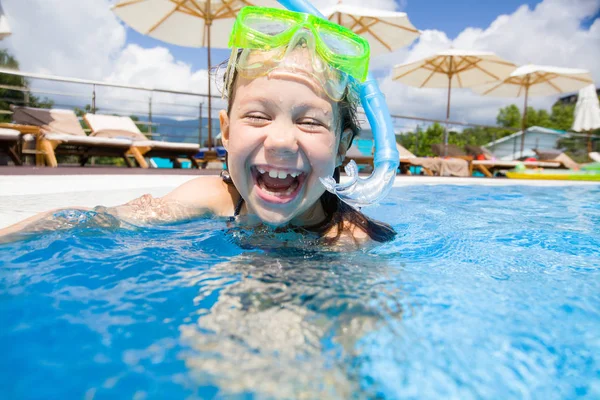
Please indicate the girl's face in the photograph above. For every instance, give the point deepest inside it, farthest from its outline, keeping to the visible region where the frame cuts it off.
(281, 138)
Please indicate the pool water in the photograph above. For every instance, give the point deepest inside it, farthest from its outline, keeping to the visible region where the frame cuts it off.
(487, 292)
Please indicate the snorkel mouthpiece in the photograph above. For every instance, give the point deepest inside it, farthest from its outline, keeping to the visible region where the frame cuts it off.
(361, 192)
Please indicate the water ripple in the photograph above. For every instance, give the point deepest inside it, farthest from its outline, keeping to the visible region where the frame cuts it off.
(487, 292)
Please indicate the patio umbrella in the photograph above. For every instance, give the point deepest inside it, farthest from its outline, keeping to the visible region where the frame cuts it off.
(191, 23)
(385, 30)
(4, 28)
(453, 68)
(587, 112)
(536, 80)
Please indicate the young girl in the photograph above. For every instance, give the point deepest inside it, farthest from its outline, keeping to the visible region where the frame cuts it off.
(290, 119)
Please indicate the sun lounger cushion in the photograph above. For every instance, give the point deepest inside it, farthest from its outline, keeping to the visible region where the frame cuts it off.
(119, 134)
(9, 134)
(221, 152)
(88, 140)
(441, 166)
(155, 144)
(100, 122)
(50, 121)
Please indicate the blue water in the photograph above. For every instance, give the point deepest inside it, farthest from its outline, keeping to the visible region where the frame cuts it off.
(487, 292)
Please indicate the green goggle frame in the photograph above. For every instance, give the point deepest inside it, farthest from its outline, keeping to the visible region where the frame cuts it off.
(268, 28)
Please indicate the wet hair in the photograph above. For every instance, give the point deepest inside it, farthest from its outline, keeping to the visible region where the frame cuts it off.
(337, 212)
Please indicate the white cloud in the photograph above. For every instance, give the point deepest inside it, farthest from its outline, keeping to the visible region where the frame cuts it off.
(83, 38)
(78, 38)
(549, 34)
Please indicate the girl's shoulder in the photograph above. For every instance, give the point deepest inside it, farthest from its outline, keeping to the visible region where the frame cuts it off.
(209, 193)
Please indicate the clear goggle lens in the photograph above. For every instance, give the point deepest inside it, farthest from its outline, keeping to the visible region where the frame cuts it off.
(268, 26)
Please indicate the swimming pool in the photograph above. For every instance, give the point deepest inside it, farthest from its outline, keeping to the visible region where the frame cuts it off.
(487, 292)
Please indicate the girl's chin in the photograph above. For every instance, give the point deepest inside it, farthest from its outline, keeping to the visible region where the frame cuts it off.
(273, 218)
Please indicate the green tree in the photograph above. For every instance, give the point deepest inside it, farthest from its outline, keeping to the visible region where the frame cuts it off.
(509, 117)
(562, 116)
(17, 97)
(538, 118)
(420, 142)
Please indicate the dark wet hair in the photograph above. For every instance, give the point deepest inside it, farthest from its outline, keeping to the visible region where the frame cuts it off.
(337, 212)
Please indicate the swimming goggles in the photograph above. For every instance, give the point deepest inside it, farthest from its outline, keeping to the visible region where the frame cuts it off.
(267, 29)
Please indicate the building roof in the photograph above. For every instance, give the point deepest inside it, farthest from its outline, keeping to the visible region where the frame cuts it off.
(533, 129)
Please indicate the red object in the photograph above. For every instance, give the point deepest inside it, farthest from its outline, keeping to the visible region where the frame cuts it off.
(480, 157)
(531, 159)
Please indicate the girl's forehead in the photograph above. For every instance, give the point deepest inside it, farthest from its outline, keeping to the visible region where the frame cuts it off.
(282, 85)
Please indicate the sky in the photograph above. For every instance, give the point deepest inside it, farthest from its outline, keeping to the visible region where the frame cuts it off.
(84, 39)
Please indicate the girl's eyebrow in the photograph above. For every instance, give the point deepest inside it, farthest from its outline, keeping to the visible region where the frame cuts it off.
(266, 102)
(308, 106)
(301, 108)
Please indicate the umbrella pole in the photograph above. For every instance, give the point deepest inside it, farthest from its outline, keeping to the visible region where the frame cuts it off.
(524, 122)
(447, 113)
(209, 92)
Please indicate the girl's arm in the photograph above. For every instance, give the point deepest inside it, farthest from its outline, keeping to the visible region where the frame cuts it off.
(193, 199)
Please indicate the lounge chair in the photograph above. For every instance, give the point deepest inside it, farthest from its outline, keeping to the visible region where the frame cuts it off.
(432, 165)
(488, 165)
(11, 144)
(478, 152)
(450, 150)
(489, 168)
(557, 156)
(112, 126)
(206, 155)
(60, 133)
(484, 161)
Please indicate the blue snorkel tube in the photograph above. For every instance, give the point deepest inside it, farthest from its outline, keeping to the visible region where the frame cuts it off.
(361, 192)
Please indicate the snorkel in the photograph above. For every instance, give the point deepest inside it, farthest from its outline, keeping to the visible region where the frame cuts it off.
(361, 192)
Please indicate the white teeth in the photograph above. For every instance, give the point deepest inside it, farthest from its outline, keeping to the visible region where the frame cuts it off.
(276, 173)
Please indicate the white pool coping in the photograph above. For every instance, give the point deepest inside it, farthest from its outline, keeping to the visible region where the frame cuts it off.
(22, 196)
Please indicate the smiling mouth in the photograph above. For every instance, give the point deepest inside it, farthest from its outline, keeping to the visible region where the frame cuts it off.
(277, 185)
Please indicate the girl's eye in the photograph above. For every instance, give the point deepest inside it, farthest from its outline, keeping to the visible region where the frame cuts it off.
(312, 123)
(257, 118)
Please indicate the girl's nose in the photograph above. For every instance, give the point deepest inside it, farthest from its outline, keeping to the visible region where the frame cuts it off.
(281, 141)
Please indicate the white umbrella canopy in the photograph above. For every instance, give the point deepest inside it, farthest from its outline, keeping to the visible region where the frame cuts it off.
(184, 22)
(4, 28)
(191, 23)
(385, 30)
(536, 80)
(587, 110)
(453, 68)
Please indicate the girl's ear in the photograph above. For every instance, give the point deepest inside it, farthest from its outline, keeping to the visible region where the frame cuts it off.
(224, 121)
(345, 141)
